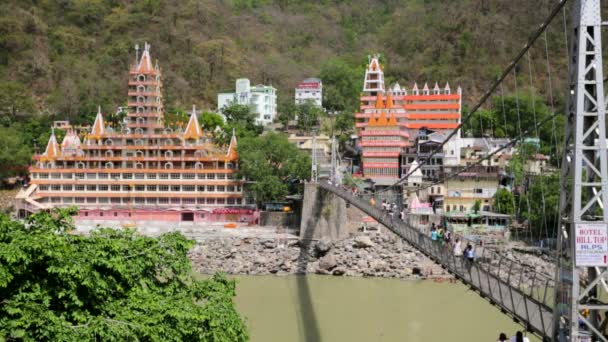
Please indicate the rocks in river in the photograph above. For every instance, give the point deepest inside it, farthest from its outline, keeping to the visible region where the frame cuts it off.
(323, 246)
(373, 255)
(328, 262)
(363, 241)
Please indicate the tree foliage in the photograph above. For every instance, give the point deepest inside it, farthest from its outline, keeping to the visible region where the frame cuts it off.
(271, 163)
(113, 285)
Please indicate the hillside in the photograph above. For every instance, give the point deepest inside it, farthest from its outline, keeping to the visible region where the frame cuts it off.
(66, 57)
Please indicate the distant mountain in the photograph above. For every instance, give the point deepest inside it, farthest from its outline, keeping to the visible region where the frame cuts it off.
(71, 55)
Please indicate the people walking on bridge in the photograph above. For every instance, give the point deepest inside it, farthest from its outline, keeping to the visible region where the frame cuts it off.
(433, 233)
(458, 248)
(469, 254)
(519, 337)
(440, 236)
(502, 338)
(448, 238)
(372, 202)
(384, 206)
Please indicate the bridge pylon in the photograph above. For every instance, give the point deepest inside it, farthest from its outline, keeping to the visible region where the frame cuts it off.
(582, 271)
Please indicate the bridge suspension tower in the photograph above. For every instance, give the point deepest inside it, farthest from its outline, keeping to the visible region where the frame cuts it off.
(582, 273)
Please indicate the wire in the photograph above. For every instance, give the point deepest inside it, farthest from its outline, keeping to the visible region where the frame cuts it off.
(490, 91)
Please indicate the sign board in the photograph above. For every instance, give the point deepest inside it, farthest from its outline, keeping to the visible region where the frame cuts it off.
(591, 244)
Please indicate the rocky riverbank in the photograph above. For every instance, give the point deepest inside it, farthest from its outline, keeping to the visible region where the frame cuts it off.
(368, 255)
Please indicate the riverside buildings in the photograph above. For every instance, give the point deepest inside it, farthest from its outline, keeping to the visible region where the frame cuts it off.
(261, 98)
(140, 170)
(403, 114)
(310, 91)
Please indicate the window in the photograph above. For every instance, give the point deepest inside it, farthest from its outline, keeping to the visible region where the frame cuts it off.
(210, 187)
(91, 187)
(79, 187)
(230, 188)
(175, 188)
(139, 176)
(127, 176)
(221, 201)
(175, 176)
(91, 175)
(151, 187)
(163, 188)
(79, 175)
(221, 188)
(140, 188)
(188, 187)
(103, 200)
(188, 176)
(163, 201)
(44, 187)
(115, 187)
(201, 188)
(151, 175)
(211, 176)
(102, 175)
(163, 176)
(103, 187)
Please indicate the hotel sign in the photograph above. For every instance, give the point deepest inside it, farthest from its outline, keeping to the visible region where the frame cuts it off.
(591, 244)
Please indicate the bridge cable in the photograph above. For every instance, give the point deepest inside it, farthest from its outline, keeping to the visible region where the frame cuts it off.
(490, 91)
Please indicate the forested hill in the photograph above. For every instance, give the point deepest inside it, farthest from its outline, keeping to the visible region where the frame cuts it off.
(64, 57)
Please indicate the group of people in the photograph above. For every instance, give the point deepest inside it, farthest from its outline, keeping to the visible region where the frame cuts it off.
(519, 337)
(444, 238)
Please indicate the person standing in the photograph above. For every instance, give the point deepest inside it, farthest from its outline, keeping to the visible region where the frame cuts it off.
(433, 233)
(469, 254)
(519, 337)
(457, 248)
(502, 337)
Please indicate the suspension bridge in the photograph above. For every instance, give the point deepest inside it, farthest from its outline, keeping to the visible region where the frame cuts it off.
(552, 306)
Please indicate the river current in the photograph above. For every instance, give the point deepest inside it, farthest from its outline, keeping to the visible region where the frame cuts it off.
(324, 308)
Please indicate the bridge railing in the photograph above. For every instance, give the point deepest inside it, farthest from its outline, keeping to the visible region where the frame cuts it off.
(516, 289)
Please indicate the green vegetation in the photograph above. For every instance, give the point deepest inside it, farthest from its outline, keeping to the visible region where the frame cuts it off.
(272, 163)
(113, 286)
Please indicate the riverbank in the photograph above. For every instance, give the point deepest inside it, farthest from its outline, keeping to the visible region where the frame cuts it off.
(361, 255)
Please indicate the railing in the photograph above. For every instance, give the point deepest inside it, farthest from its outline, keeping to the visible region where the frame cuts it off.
(516, 289)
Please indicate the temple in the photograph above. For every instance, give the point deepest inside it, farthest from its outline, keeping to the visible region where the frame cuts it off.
(139, 169)
(390, 122)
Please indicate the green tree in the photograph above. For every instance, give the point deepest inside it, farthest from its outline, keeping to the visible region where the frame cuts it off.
(115, 119)
(211, 121)
(342, 84)
(476, 206)
(14, 154)
(15, 99)
(286, 113)
(114, 285)
(308, 116)
(504, 202)
(175, 118)
(271, 163)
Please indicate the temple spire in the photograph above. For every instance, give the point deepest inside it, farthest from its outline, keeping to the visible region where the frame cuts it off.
(52, 148)
(98, 126)
(145, 63)
(389, 100)
(379, 101)
(193, 130)
(232, 152)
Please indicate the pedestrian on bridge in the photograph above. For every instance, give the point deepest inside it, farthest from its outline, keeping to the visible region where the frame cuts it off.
(433, 233)
(502, 338)
(519, 337)
(469, 254)
(458, 248)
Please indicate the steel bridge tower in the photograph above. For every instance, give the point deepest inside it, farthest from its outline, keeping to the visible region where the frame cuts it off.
(582, 243)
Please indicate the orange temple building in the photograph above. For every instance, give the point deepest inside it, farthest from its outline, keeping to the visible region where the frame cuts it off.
(142, 170)
(389, 120)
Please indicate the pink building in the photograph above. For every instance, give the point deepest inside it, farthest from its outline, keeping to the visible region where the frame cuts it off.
(140, 169)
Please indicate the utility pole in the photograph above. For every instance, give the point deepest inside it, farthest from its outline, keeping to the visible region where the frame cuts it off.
(583, 237)
(334, 163)
(314, 176)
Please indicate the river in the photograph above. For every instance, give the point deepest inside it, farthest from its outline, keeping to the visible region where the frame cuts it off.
(324, 308)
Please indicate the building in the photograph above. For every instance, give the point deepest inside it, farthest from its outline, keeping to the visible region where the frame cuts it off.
(460, 151)
(141, 170)
(437, 110)
(261, 98)
(475, 184)
(382, 141)
(310, 91)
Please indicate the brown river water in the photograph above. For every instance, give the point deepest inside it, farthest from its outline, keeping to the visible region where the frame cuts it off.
(325, 308)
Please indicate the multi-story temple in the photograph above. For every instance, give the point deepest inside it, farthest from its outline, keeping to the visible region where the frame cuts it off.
(429, 110)
(140, 170)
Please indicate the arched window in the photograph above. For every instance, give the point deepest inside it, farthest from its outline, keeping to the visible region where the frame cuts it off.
(168, 165)
(141, 99)
(168, 154)
(109, 165)
(198, 154)
(139, 142)
(80, 165)
(141, 88)
(199, 166)
(168, 142)
(140, 109)
(141, 78)
(168, 130)
(110, 154)
(139, 154)
(139, 131)
(139, 165)
(141, 120)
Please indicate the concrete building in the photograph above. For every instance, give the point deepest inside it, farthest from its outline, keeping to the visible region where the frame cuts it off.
(310, 91)
(476, 184)
(261, 98)
(141, 171)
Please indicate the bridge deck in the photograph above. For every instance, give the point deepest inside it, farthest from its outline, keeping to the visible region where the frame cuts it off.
(499, 280)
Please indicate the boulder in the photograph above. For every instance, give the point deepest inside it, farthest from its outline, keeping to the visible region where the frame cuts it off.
(363, 241)
(327, 262)
(260, 260)
(323, 246)
(269, 244)
(338, 271)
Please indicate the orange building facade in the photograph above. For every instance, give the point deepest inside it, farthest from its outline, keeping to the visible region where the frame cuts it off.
(400, 114)
(142, 170)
